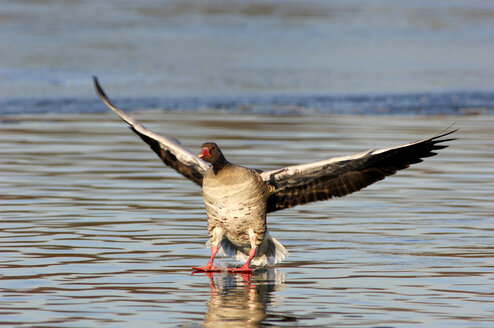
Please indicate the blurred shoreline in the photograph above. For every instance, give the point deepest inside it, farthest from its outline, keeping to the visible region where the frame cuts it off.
(451, 103)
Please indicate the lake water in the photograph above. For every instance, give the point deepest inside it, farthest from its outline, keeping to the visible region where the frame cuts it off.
(96, 232)
(222, 48)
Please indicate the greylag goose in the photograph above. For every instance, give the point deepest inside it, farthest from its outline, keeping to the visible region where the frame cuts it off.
(237, 198)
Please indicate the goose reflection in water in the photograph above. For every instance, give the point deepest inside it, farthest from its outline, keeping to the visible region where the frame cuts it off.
(240, 300)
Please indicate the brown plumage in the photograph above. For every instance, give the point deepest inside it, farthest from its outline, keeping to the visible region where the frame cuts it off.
(168, 149)
(341, 176)
(237, 199)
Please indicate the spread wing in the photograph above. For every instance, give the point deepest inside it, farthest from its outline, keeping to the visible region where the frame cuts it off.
(340, 176)
(168, 149)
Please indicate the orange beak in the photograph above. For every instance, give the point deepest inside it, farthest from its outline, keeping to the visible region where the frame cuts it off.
(204, 153)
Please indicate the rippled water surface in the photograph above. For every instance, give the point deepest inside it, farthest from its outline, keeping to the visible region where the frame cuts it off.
(96, 232)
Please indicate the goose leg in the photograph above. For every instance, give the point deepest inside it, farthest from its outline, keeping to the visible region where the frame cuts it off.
(245, 268)
(216, 236)
(209, 267)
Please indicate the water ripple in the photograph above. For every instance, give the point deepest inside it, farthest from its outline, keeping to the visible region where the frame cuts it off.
(96, 232)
